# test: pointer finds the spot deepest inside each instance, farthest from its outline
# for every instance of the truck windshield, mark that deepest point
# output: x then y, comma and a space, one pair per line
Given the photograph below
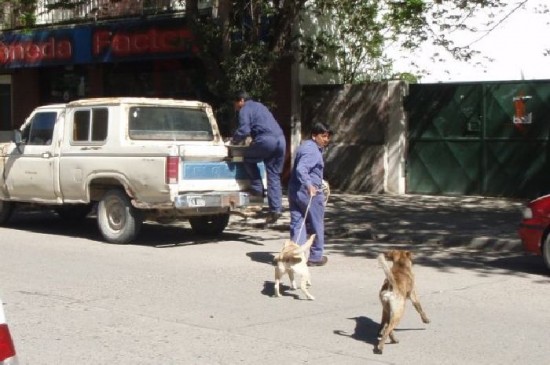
169, 123
40, 130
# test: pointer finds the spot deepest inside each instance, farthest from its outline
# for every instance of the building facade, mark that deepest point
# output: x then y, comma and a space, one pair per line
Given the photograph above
103, 48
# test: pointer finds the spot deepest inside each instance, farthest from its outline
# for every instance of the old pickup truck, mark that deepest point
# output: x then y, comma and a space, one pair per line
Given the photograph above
133, 159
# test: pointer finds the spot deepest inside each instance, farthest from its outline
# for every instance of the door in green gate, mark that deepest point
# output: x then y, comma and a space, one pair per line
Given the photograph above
445, 123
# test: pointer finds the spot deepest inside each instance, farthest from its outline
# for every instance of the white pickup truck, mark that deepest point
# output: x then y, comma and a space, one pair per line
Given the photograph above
137, 158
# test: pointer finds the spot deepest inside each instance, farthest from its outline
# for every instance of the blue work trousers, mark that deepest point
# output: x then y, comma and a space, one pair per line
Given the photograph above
271, 150
314, 222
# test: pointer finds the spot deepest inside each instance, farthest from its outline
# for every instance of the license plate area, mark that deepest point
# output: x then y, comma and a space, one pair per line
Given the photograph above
195, 201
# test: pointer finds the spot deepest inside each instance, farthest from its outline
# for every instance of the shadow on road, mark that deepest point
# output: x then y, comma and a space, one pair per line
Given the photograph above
262, 257
366, 330
152, 234
476, 233
412, 220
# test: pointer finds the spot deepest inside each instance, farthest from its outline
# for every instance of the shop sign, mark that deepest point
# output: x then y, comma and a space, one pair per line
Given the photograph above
90, 44
116, 44
35, 49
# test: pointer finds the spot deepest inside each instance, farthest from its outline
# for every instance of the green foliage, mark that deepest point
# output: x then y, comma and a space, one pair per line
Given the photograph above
244, 46
23, 10
348, 37
249, 70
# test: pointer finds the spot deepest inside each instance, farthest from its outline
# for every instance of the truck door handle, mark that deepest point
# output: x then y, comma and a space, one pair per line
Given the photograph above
46, 155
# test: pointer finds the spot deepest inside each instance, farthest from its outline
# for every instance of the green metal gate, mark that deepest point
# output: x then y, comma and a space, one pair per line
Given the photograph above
463, 140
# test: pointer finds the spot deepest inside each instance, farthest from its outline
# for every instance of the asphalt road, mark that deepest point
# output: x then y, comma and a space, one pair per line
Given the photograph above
175, 298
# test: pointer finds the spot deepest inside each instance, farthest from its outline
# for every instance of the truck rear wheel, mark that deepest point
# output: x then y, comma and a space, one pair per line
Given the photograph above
6, 208
118, 221
211, 225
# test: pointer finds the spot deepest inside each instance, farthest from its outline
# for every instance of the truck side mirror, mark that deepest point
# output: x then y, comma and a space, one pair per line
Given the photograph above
17, 136
17, 139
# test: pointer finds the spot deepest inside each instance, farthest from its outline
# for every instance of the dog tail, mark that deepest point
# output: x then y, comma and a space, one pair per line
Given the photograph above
306, 246
389, 275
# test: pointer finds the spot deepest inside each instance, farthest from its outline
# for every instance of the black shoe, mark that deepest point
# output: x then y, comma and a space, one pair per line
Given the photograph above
255, 198
272, 217
323, 262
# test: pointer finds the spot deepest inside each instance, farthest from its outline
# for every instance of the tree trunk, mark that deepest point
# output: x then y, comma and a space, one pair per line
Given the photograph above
224, 12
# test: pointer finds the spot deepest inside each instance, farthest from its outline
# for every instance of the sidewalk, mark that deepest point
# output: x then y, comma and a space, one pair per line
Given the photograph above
353, 221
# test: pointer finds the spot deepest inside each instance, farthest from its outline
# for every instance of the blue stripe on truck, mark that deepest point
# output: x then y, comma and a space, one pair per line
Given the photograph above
216, 170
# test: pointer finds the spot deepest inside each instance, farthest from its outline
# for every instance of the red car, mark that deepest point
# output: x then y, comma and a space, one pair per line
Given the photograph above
534, 228
7, 350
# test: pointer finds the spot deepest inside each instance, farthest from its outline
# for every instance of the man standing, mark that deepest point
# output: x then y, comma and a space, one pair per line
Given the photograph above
268, 145
305, 194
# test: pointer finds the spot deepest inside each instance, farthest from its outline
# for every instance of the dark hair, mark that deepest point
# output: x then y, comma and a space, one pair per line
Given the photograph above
241, 94
320, 128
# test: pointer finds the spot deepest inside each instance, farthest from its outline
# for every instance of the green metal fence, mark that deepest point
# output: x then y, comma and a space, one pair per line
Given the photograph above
463, 139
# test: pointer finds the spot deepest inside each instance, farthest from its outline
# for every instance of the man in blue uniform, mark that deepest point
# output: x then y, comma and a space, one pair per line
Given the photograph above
268, 145
305, 188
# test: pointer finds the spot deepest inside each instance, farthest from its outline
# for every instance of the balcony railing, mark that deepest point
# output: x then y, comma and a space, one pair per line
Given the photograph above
49, 12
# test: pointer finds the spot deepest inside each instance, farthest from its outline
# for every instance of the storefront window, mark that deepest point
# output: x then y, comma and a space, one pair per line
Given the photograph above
63, 84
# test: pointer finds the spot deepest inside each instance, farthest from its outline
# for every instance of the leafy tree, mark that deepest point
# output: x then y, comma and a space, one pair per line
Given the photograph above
350, 38
24, 11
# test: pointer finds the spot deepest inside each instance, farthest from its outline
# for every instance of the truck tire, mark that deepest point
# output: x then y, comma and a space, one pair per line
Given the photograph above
118, 221
73, 212
211, 225
6, 209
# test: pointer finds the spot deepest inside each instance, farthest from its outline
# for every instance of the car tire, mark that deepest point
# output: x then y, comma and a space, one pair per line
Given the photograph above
210, 225
73, 212
546, 251
118, 221
6, 209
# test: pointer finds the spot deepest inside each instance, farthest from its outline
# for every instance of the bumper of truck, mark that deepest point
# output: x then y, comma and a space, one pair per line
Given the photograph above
231, 200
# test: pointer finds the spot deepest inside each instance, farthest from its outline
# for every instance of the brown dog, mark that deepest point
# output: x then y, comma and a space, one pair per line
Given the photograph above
293, 260
397, 288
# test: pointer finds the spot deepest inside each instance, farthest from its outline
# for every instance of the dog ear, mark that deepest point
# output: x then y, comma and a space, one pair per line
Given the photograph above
390, 255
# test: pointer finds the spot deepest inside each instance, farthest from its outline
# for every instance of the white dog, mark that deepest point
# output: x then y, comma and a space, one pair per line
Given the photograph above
293, 260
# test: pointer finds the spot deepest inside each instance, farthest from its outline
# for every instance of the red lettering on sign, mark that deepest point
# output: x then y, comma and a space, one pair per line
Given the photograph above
134, 43
35, 52
101, 41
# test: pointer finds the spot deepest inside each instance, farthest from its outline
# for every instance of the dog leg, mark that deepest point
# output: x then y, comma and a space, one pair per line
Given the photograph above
395, 308
380, 346
388, 332
303, 286
292, 279
418, 307
393, 338
384, 321
277, 282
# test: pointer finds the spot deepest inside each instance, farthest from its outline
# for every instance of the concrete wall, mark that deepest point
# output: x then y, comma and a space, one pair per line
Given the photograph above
367, 152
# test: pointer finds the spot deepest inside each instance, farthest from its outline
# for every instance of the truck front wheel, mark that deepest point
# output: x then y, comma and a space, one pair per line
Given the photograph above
211, 225
6, 208
118, 221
